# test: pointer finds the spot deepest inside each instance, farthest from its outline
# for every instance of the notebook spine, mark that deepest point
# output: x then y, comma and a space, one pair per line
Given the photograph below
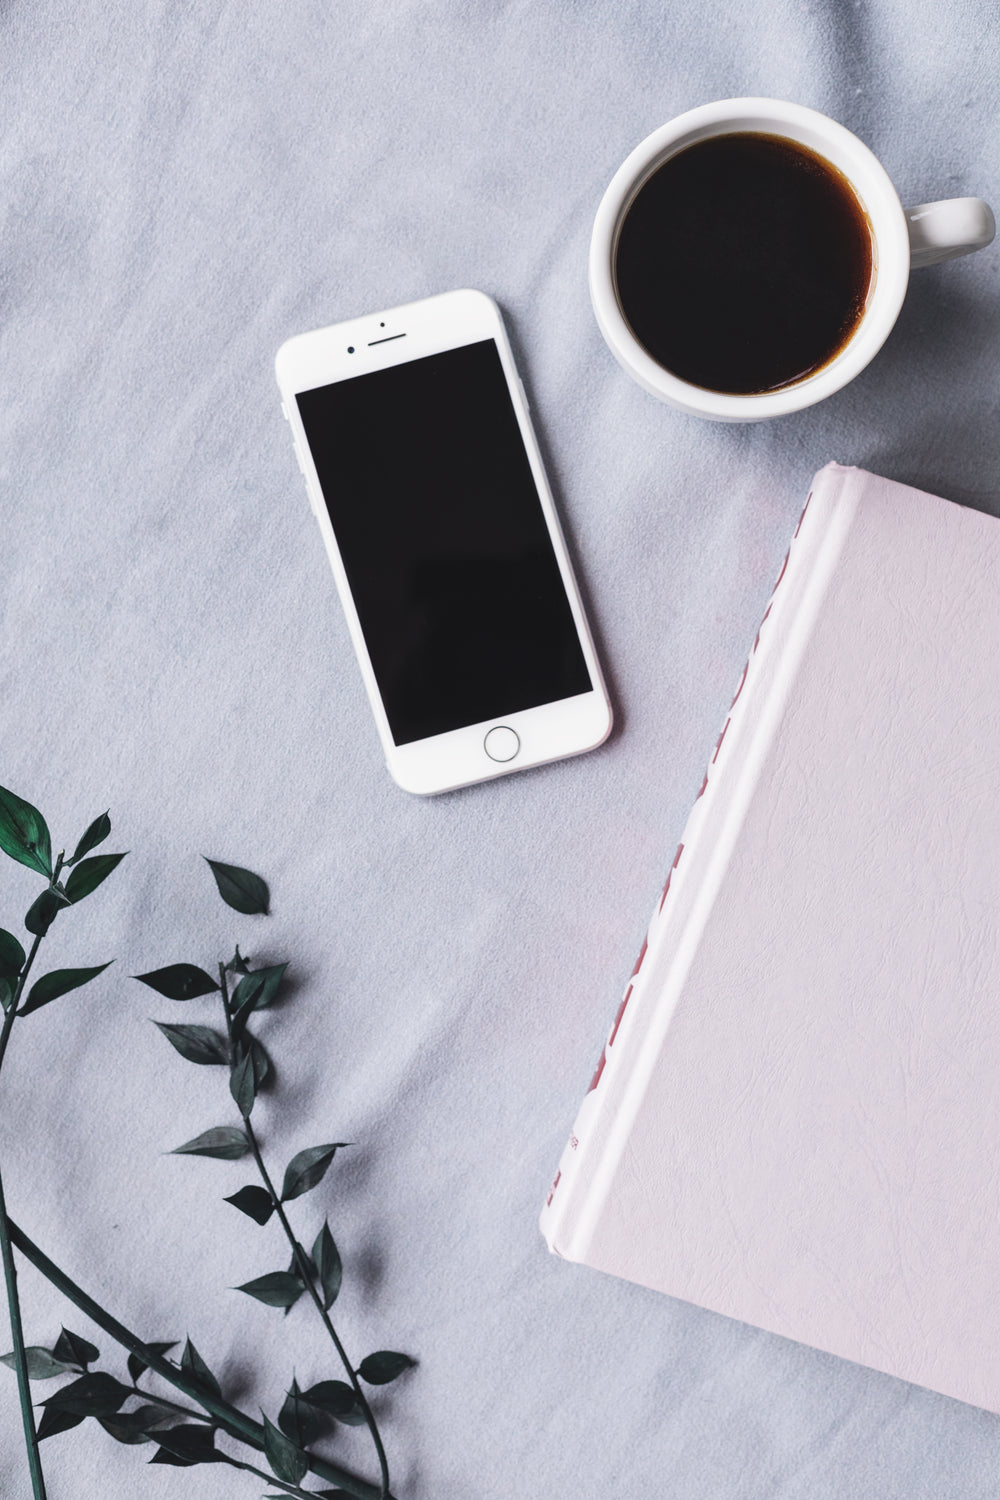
578, 1170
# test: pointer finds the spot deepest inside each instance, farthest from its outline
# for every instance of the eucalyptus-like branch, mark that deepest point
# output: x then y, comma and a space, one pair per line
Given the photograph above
229, 1418
302, 1262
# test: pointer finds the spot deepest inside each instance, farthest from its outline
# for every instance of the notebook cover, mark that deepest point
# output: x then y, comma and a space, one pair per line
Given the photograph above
796, 1118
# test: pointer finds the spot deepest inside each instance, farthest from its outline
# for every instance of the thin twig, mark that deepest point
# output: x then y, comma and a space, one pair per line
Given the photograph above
303, 1266
20, 1358
10, 1269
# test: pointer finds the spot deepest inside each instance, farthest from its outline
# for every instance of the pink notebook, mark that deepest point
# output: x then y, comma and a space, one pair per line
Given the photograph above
796, 1117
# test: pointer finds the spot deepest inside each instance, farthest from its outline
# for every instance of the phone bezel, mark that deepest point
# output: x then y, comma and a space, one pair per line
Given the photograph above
551, 731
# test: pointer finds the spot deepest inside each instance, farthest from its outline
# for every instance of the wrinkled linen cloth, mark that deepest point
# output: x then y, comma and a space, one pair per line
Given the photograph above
183, 188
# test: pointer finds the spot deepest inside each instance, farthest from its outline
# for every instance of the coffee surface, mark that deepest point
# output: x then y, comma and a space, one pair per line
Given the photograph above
744, 262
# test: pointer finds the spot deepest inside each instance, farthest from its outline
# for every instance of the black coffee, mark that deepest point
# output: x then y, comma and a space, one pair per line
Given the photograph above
743, 263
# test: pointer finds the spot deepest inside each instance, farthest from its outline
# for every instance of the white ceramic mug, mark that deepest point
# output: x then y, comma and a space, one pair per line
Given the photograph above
901, 238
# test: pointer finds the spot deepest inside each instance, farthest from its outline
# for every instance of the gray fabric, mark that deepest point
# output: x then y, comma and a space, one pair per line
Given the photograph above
184, 187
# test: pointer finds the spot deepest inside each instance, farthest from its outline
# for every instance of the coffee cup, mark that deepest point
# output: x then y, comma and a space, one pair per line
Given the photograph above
896, 239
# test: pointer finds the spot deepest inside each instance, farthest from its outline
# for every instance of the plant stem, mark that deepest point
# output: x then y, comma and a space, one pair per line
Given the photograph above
20, 1358
184, 1411
289, 1489
233, 1421
303, 1266
10, 1269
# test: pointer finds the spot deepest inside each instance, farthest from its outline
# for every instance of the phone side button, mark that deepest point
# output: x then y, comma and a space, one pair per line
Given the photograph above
501, 743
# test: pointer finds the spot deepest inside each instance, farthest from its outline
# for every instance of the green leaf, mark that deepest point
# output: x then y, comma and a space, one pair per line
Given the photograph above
199, 1044
380, 1368
94, 1395
75, 1350
133, 1427
276, 1289
6, 994
326, 1258
288, 1462
261, 1062
96, 834
179, 981
258, 989
186, 1445
54, 1421
44, 909
193, 1364
253, 1201
136, 1363
41, 1364
88, 876
11, 956
240, 889
337, 1399
59, 982
226, 1142
243, 1084
307, 1168
299, 1421
238, 964
23, 833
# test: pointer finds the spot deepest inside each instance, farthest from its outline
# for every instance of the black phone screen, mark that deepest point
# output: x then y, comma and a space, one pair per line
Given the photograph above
443, 538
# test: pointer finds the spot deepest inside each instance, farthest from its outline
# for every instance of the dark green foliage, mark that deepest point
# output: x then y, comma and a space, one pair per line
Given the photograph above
304, 1416
40, 1363
261, 1063
95, 834
199, 1044
136, 1363
253, 1201
300, 1422
75, 1350
55, 1421
23, 834
95, 1395
59, 982
259, 988
226, 1142
288, 1462
243, 1084
186, 1445
11, 956
44, 909
88, 876
194, 1366
276, 1289
337, 1399
238, 964
385, 1365
326, 1258
307, 1168
133, 1427
240, 889
179, 981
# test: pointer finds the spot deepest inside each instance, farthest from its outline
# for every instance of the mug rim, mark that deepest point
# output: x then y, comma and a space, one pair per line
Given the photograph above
868, 179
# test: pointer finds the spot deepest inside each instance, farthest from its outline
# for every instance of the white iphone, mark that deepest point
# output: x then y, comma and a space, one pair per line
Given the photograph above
413, 434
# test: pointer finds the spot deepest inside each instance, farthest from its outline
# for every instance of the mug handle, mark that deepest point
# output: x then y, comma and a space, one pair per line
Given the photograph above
942, 231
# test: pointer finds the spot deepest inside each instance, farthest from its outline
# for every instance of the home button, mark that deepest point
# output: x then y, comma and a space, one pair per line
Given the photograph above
501, 743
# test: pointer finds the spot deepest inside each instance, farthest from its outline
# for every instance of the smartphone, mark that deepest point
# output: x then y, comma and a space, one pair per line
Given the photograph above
412, 431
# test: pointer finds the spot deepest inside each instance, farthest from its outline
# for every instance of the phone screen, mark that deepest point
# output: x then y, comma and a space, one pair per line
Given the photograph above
444, 541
